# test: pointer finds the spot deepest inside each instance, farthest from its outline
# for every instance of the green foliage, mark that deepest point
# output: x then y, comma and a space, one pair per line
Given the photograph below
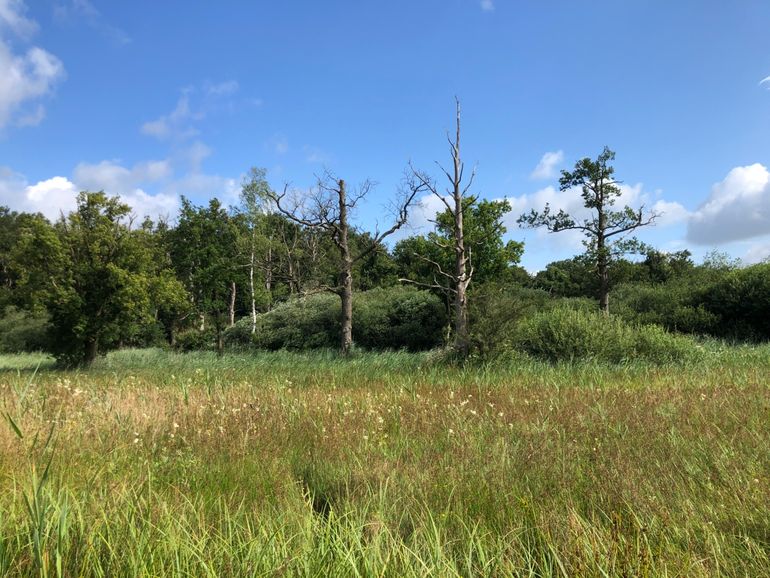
21, 331
93, 273
741, 301
384, 318
195, 340
304, 323
493, 259
398, 317
574, 335
495, 311
676, 306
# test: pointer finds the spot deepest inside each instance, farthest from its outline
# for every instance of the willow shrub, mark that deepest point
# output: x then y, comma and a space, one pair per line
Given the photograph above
575, 335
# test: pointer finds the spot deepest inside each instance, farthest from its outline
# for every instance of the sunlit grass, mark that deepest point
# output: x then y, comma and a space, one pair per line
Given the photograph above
385, 465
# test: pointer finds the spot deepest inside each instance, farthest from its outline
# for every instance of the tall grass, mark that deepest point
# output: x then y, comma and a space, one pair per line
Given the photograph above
385, 465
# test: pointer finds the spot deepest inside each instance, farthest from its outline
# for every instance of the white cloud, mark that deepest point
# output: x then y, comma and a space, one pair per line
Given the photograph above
117, 179
176, 124
670, 213
192, 106
546, 168
737, 208
487, 5
49, 197
757, 253
765, 81
24, 77
12, 18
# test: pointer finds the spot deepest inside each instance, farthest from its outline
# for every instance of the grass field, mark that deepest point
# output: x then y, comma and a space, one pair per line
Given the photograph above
279, 464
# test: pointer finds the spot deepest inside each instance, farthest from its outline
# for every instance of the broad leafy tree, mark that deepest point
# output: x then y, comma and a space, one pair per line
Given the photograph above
203, 251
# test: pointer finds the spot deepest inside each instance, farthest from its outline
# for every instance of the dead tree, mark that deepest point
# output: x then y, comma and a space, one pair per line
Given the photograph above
456, 200
327, 209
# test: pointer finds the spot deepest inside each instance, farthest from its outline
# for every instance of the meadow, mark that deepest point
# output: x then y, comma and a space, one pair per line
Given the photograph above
152, 463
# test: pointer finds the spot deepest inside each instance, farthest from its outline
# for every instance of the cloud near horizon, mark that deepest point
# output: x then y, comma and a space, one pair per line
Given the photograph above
738, 208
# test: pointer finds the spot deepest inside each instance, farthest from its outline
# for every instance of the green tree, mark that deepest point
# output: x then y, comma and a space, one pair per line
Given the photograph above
93, 273
203, 251
606, 230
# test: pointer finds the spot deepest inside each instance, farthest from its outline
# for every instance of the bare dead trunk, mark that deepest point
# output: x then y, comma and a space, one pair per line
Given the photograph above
346, 296
231, 309
346, 280
462, 278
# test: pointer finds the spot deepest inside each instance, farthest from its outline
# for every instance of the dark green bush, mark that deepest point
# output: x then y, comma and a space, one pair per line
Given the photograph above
398, 318
306, 323
741, 301
495, 310
572, 335
677, 306
392, 318
22, 331
194, 340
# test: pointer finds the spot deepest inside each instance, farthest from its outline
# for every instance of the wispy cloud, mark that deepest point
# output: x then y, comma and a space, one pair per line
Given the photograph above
487, 5
192, 106
765, 81
546, 168
85, 11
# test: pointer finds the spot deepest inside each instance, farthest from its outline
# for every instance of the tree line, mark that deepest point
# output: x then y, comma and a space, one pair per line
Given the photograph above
98, 278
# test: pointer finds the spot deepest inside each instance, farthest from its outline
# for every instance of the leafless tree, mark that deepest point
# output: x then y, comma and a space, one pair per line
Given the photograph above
327, 209
456, 200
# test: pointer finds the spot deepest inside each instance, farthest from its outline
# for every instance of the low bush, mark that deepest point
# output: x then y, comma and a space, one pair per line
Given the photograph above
392, 318
306, 323
575, 335
22, 331
194, 340
741, 302
495, 310
398, 318
676, 306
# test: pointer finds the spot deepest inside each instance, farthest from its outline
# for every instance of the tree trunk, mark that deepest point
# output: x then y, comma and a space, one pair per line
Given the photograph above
92, 349
231, 310
252, 294
602, 261
604, 287
269, 275
220, 341
462, 279
346, 280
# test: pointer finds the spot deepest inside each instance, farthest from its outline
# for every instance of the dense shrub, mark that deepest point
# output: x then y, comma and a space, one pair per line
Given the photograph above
677, 306
193, 340
495, 310
398, 318
392, 318
570, 335
741, 301
305, 323
21, 331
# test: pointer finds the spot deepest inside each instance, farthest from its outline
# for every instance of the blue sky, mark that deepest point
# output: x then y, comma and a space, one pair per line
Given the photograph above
152, 100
